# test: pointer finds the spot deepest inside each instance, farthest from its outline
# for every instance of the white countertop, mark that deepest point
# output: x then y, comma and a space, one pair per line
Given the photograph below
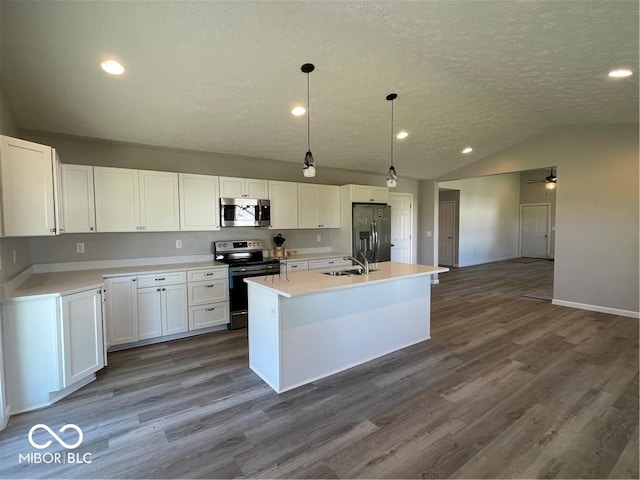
65, 283
313, 281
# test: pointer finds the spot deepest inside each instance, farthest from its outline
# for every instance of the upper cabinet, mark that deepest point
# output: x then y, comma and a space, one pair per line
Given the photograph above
135, 200
318, 206
232, 187
284, 204
199, 205
368, 194
78, 214
28, 190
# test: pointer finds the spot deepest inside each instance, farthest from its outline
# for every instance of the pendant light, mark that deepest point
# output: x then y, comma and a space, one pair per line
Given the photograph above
309, 166
392, 176
550, 181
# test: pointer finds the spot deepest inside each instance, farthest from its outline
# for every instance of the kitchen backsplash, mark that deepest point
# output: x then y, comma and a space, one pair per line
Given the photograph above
115, 246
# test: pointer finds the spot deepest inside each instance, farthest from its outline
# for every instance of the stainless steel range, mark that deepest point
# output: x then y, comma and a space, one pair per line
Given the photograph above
245, 259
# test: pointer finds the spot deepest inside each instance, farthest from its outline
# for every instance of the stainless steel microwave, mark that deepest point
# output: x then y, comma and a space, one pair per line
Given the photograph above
245, 212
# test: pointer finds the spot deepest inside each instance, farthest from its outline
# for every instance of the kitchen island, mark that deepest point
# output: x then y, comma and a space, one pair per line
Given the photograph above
311, 325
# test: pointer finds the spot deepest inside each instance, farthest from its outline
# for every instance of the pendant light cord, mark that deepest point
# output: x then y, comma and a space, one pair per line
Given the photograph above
308, 118
392, 133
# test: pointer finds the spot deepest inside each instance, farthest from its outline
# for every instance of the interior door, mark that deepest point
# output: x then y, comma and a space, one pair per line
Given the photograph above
446, 233
534, 230
400, 227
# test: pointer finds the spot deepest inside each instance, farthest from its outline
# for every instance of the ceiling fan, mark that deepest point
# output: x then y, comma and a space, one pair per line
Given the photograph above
549, 180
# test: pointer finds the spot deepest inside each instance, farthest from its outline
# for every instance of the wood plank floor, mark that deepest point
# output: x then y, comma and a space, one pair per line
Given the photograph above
508, 387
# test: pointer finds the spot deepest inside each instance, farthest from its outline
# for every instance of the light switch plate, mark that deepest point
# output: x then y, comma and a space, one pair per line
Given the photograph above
79, 247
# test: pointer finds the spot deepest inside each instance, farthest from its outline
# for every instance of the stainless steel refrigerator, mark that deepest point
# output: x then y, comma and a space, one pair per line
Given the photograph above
371, 234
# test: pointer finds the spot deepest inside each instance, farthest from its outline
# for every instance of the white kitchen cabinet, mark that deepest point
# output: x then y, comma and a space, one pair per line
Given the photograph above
52, 346
208, 297
136, 200
284, 204
234, 187
162, 311
28, 189
159, 203
78, 214
122, 310
82, 335
318, 206
369, 194
295, 265
117, 197
199, 204
328, 263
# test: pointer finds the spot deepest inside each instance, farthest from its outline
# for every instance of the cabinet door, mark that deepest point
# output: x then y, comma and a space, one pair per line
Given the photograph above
122, 310
208, 315
175, 318
309, 205
82, 335
27, 188
78, 207
117, 199
149, 312
159, 205
369, 194
254, 188
330, 206
208, 292
284, 204
231, 187
199, 204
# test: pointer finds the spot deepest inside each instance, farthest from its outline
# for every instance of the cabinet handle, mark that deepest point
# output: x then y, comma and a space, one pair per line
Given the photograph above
157, 289
52, 230
161, 279
91, 228
208, 274
331, 263
133, 279
210, 309
100, 291
62, 229
209, 286
164, 289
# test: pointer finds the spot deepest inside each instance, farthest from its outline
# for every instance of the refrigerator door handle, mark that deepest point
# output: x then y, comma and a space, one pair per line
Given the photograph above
374, 229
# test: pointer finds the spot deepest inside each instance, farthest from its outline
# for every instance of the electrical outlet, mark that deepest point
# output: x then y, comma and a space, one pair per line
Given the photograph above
429, 234
318, 238
79, 247
178, 243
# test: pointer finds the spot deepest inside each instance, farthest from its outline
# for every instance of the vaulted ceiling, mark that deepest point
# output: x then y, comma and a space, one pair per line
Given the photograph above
223, 76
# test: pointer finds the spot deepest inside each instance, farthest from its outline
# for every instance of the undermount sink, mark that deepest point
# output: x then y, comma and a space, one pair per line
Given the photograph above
342, 273
335, 274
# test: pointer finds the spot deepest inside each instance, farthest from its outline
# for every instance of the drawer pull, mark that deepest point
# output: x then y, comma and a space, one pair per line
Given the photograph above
210, 309
208, 274
209, 286
331, 263
160, 279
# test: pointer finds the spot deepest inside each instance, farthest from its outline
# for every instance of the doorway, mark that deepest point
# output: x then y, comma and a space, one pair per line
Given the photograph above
447, 233
401, 227
534, 230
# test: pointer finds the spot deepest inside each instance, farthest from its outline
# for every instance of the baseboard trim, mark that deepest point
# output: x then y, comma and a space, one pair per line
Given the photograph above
597, 308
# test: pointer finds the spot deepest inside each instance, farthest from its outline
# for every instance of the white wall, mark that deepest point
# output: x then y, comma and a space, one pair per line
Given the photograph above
489, 218
597, 210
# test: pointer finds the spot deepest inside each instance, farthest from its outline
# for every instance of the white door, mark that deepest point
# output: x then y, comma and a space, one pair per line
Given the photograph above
122, 310
175, 318
27, 188
82, 335
117, 198
199, 206
159, 209
534, 230
78, 207
401, 226
149, 312
446, 233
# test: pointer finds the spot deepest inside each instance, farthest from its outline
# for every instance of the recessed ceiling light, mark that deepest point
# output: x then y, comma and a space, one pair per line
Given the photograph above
402, 135
620, 73
467, 150
112, 67
299, 111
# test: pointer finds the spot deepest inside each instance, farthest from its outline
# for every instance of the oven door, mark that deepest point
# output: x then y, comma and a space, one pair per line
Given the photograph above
238, 291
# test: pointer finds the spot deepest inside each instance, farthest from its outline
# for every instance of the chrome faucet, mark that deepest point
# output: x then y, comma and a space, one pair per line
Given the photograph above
365, 265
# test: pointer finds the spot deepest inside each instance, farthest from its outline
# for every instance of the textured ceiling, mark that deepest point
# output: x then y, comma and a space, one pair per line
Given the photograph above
223, 76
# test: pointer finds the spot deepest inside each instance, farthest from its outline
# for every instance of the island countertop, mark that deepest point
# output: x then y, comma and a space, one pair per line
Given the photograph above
313, 281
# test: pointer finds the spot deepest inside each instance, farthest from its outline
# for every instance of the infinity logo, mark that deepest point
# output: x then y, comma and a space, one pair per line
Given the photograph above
56, 437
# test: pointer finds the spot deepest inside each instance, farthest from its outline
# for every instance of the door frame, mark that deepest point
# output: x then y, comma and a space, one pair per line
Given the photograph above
412, 251
454, 238
548, 205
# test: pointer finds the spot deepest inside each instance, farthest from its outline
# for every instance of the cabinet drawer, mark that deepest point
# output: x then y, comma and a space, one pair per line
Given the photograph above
208, 315
298, 266
206, 275
208, 292
328, 263
160, 279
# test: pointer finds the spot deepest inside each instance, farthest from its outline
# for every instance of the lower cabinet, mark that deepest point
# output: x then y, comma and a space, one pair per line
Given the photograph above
52, 347
204, 316
208, 300
162, 311
122, 310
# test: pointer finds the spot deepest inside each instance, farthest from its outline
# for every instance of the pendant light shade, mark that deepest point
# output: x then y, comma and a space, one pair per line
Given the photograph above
392, 176
550, 181
308, 166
